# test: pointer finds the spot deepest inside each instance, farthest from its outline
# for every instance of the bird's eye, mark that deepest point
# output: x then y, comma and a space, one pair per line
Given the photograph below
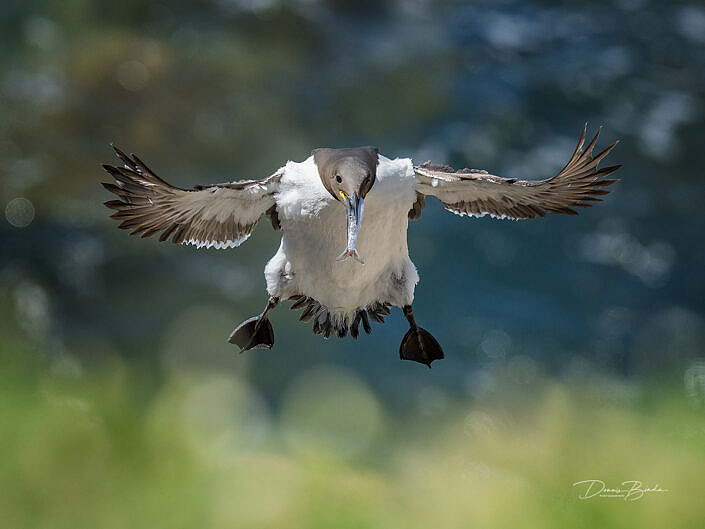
338, 179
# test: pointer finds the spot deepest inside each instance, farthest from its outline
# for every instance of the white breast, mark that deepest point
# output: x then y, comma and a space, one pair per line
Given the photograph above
314, 234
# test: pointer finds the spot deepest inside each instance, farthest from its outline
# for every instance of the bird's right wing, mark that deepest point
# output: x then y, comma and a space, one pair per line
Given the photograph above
220, 215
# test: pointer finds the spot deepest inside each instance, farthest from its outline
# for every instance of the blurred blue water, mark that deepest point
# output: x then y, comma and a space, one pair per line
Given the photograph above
207, 91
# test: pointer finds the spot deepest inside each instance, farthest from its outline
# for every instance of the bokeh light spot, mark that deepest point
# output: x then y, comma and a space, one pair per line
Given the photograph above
19, 212
132, 75
225, 417
32, 308
330, 410
496, 344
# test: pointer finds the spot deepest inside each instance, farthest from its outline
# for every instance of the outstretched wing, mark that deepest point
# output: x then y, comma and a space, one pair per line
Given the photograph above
220, 215
477, 193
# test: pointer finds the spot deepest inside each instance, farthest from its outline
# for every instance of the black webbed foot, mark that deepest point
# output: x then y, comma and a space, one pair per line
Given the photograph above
248, 336
255, 332
420, 346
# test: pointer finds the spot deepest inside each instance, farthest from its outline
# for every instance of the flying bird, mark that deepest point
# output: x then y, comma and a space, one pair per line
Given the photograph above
343, 213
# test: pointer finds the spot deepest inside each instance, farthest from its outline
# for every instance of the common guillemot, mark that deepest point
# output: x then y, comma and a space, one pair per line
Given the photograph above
319, 205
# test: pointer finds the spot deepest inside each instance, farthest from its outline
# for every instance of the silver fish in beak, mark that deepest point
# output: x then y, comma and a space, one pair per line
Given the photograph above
355, 208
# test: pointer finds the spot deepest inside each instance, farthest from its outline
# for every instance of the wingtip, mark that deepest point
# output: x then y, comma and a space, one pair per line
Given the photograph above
114, 204
124, 158
110, 169
117, 150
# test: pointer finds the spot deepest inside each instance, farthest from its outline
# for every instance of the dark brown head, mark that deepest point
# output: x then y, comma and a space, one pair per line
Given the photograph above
348, 175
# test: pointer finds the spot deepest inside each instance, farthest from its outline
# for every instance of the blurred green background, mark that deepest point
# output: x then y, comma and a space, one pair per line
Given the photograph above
575, 347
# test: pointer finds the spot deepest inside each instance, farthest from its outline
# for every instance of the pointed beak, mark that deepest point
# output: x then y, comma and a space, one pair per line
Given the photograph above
355, 209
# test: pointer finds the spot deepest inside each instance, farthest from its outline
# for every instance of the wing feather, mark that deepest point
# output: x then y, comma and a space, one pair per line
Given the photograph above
220, 215
477, 193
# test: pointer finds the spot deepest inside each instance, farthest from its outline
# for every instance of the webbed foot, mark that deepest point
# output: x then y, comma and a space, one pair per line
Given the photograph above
255, 332
249, 335
420, 346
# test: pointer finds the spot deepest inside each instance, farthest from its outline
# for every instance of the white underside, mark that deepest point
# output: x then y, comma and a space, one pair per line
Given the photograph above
314, 234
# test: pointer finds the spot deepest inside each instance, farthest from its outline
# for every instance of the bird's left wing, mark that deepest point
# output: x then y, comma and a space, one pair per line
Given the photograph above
477, 193
220, 215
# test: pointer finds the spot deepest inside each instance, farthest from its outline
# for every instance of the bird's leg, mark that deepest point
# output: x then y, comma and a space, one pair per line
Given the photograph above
418, 344
255, 332
409, 314
271, 303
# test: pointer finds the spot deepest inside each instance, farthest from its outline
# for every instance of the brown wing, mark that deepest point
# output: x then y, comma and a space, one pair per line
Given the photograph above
220, 215
477, 193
